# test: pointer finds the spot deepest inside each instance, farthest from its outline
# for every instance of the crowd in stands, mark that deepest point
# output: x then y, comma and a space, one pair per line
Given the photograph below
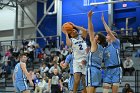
47, 60
49, 72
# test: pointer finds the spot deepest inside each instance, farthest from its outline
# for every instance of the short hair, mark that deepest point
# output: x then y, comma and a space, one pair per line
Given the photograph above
23, 54
101, 38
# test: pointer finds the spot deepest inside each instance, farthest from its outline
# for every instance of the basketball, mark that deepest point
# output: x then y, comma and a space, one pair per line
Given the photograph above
67, 27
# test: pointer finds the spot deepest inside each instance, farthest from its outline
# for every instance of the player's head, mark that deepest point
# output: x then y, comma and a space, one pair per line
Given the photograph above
108, 38
23, 57
74, 33
100, 38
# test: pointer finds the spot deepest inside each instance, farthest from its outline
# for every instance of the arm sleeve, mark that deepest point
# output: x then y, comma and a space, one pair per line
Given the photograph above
68, 58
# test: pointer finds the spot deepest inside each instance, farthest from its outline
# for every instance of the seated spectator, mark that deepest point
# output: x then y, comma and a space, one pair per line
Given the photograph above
127, 89
128, 66
6, 70
55, 67
16, 51
43, 69
40, 85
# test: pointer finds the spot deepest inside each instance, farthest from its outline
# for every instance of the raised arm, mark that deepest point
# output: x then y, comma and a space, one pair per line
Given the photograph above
91, 32
108, 30
68, 40
82, 29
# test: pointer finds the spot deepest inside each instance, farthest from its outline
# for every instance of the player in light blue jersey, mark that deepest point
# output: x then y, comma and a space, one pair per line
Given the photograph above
94, 58
78, 44
113, 72
69, 61
21, 75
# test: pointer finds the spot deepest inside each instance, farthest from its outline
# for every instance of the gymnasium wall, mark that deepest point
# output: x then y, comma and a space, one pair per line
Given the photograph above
76, 11
125, 10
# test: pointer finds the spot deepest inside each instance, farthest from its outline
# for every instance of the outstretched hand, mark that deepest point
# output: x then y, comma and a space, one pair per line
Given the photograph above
90, 13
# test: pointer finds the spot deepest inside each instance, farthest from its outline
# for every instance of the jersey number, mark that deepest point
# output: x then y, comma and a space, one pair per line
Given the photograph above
80, 47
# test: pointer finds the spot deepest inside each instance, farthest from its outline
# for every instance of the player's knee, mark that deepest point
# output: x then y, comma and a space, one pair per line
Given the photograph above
106, 85
116, 84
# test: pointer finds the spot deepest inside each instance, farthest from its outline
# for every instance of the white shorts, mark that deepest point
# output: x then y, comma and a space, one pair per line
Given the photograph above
78, 67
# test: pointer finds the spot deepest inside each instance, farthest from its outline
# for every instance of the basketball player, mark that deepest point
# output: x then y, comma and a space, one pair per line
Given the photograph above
113, 70
78, 46
69, 61
21, 75
95, 57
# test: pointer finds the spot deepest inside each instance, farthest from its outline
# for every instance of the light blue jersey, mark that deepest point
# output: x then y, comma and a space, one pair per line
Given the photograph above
69, 60
94, 60
20, 79
111, 54
113, 72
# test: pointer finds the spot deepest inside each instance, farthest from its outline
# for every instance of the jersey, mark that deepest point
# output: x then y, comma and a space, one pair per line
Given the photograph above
69, 60
111, 54
19, 75
20, 83
79, 49
95, 58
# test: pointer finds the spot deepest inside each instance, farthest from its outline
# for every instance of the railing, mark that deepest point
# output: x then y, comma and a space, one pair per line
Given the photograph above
6, 44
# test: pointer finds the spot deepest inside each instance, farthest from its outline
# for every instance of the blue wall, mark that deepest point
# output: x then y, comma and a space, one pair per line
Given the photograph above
48, 26
76, 11
132, 11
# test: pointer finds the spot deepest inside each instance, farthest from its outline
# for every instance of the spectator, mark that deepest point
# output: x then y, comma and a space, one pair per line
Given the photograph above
38, 51
6, 70
40, 85
128, 66
62, 45
15, 51
64, 52
51, 42
55, 67
43, 69
127, 89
